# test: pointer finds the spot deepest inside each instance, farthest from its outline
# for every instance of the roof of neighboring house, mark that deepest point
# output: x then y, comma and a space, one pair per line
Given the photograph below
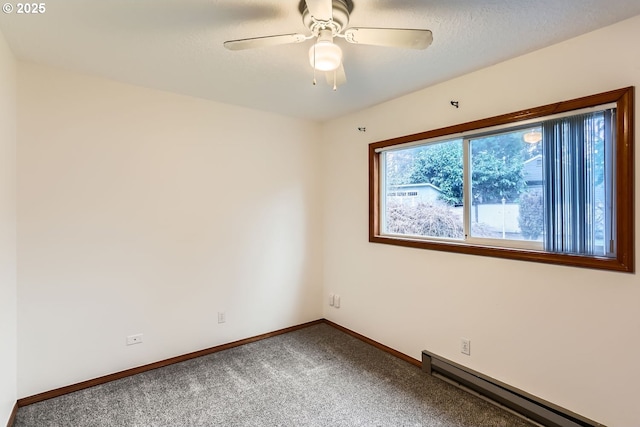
421, 185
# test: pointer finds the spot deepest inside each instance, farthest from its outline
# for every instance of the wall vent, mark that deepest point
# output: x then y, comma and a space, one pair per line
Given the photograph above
531, 407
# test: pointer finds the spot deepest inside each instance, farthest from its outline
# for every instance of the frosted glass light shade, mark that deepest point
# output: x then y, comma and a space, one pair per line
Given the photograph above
325, 56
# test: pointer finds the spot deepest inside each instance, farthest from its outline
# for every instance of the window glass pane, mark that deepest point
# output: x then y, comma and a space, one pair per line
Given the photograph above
601, 156
506, 186
423, 191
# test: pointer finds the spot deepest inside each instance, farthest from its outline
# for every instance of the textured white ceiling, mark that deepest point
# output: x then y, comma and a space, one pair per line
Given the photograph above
176, 45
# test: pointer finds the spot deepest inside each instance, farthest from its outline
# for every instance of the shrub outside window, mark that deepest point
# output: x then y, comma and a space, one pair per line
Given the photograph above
551, 184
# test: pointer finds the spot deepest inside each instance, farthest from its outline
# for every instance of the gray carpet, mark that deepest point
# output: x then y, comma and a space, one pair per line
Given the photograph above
317, 376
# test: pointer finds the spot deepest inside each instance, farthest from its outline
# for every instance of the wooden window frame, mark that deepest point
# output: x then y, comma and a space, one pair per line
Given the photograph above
624, 177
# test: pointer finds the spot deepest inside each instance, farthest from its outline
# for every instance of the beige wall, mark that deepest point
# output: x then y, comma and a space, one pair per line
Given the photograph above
147, 212
8, 329
565, 334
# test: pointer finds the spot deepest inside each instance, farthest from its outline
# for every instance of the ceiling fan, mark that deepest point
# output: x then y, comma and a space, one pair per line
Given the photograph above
327, 19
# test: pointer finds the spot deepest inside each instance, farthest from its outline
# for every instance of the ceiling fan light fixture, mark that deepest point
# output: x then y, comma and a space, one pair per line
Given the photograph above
327, 19
325, 55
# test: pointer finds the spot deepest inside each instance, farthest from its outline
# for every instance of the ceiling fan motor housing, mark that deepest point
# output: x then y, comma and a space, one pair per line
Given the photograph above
337, 24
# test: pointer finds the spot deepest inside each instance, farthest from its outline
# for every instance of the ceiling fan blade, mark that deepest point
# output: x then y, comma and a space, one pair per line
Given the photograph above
321, 10
393, 37
264, 41
336, 77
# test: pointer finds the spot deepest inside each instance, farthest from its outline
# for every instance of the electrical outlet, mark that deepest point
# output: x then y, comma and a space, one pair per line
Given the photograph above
336, 301
134, 339
331, 299
222, 317
465, 346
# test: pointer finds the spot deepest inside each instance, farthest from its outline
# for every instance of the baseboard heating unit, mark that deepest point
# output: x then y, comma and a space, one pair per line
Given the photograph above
531, 407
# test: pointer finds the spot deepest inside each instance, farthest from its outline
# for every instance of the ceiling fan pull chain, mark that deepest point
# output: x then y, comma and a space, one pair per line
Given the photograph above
335, 79
314, 64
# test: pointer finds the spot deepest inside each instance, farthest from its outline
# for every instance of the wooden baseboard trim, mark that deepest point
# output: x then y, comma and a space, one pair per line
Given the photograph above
12, 417
376, 344
140, 369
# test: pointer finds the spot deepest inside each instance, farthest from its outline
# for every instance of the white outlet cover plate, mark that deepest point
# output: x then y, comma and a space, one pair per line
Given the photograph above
465, 346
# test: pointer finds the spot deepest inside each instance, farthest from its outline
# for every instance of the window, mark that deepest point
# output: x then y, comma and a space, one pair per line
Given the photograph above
550, 184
